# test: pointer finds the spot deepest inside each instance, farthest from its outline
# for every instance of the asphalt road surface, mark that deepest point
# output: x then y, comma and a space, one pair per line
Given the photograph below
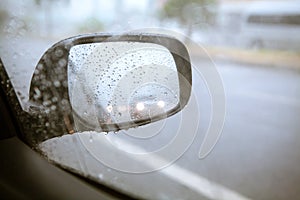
258, 152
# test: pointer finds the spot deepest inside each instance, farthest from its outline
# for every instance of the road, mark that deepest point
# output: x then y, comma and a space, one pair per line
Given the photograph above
258, 152
256, 157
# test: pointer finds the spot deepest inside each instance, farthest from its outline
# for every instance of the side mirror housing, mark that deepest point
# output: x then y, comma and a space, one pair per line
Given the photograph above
104, 82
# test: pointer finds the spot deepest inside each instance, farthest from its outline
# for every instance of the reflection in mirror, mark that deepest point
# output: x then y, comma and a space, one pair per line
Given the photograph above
120, 82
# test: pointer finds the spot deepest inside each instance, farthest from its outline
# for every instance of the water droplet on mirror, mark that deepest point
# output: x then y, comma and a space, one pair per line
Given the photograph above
59, 53
100, 176
56, 83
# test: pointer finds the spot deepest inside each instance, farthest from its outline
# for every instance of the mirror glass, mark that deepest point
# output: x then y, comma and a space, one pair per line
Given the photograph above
119, 82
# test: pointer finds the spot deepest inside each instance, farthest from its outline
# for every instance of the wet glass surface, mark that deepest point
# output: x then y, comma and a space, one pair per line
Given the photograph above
118, 82
254, 46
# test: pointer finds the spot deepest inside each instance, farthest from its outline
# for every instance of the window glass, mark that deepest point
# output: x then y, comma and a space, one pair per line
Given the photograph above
273, 19
238, 136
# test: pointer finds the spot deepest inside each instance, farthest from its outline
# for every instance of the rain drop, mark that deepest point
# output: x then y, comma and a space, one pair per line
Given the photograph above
100, 176
91, 138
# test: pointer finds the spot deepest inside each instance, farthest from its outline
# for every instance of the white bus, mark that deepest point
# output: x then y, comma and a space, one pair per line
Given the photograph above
274, 25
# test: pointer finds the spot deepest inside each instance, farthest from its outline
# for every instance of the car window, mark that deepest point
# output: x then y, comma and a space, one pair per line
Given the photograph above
237, 136
279, 19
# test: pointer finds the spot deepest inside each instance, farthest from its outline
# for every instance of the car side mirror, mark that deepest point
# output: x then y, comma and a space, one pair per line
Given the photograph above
104, 82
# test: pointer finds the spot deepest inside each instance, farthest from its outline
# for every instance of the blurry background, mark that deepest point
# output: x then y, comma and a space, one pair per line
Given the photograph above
239, 23
241, 30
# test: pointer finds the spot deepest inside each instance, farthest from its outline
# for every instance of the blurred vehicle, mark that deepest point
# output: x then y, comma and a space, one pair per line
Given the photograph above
261, 25
273, 27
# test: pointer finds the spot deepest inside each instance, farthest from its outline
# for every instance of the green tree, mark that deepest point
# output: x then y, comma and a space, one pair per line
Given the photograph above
91, 24
190, 12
